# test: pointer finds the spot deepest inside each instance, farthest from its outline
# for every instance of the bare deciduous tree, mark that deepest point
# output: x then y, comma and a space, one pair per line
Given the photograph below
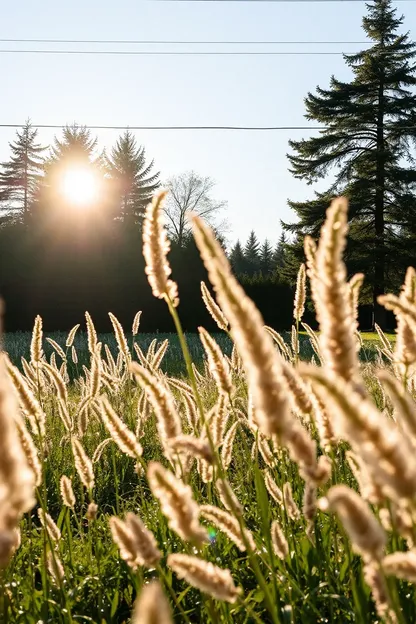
190, 192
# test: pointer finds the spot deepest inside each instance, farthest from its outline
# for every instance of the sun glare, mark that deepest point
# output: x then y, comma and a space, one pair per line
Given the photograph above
80, 186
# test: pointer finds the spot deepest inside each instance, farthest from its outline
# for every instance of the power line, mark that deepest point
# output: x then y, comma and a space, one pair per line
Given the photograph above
167, 42
170, 53
232, 128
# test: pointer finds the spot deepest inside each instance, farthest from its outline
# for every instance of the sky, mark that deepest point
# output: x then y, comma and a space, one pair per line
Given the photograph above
250, 168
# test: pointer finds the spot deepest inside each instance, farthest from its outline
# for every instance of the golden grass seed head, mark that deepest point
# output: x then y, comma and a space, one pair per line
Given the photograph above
91, 333
213, 308
122, 436
161, 399
36, 349
292, 509
156, 247
120, 337
71, 336
367, 536
401, 564
27, 399
196, 447
279, 542
228, 497
261, 361
83, 464
55, 568
205, 576
152, 607
49, 525
272, 488
136, 323
30, 451
300, 294
57, 348
229, 525
136, 543
227, 447
217, 363
177, 503
67, 492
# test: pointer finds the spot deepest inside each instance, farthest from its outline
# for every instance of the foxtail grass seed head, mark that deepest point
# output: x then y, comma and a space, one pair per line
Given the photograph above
152, 607
205, 576
156, 247
261, 361
92, 511
280, 545
91, 333
74, 355
177, 503
120, 337
71, 336
272, 488
218, 365
213, 308
27, 399
386, 451
161, 399
122, 436
375, 580
194, 446
366, 535
333, 308
136, 543
354, 288
67, 492
292, 509
405, 350
55, 568
309, 502
49, 525
30, 451
227, 447
229, 525
136, 323
36, 350
17, 480
100, 449
83, 464
401, 564
300, 294
57, 348
228, 497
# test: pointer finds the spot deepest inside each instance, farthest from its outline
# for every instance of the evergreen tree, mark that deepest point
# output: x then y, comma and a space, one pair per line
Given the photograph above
279, 254
132, 180
252, 254
20, 176
266, 258
367, 144
75, 151
237, 259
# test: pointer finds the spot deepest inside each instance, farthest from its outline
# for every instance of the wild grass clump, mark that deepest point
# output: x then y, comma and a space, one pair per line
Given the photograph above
258, 480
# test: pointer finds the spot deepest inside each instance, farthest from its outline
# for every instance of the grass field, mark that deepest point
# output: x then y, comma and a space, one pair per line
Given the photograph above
267, 481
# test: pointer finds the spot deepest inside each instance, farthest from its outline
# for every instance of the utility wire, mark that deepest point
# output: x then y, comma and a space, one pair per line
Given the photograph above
159, 42
170, 53
232, 128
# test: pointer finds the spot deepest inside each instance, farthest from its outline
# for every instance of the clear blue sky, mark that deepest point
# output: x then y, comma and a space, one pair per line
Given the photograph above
251, 169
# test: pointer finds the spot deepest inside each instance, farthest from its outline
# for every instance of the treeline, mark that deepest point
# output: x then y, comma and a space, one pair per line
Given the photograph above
58, 259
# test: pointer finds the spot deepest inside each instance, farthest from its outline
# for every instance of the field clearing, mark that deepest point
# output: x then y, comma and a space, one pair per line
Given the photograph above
269, 481
17, 345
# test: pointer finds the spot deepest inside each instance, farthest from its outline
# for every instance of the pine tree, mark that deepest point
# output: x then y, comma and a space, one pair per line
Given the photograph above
266, 259
279, 253
132, 180
20, 176
252, 254
367, 145
75, 150
237, 259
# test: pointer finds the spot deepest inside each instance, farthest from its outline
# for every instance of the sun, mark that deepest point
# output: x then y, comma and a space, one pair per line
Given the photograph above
80, 186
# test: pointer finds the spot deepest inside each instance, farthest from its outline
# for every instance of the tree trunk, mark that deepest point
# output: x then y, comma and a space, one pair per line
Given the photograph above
379, 225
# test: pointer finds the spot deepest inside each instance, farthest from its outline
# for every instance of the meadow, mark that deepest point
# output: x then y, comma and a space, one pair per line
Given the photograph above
237, 477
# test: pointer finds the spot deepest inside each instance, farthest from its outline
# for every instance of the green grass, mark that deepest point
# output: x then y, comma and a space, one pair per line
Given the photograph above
320, 581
